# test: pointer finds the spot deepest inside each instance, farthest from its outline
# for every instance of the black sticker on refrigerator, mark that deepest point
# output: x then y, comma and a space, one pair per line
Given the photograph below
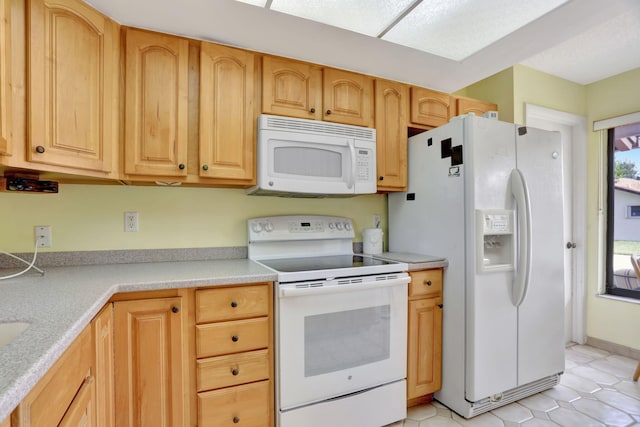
454, 171
411, 196
429, 142
445, 148
456, 155
522, 130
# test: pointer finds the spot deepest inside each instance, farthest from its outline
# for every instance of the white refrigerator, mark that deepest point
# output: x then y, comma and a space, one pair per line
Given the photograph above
487, 195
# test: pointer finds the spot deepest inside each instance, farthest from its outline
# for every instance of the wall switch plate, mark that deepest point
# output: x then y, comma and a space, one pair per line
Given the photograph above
43, 236
131, 222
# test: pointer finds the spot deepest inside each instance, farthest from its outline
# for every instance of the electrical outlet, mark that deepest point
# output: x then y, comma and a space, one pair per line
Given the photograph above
376, 221
131, 222
43, 235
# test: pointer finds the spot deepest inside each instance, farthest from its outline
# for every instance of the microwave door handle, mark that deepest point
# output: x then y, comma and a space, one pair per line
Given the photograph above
352, 150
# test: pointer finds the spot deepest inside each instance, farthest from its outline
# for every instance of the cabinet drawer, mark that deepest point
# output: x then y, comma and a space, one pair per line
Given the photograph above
245, 405
426, 282
232, 369
47, 403
214, 339
239, 302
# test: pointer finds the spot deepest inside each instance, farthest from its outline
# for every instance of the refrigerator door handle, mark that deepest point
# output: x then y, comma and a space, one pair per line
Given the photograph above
520, 192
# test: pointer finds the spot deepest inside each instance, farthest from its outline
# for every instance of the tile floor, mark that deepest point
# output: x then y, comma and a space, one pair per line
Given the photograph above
595, 390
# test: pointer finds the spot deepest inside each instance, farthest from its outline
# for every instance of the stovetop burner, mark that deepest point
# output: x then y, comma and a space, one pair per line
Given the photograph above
287, 265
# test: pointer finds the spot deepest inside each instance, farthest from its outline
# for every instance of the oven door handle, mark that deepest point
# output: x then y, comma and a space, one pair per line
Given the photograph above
335, 289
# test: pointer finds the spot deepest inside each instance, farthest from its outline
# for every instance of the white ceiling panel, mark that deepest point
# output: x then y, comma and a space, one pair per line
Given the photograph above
456, 29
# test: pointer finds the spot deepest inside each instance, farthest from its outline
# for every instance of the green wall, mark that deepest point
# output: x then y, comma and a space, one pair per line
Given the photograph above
91, 217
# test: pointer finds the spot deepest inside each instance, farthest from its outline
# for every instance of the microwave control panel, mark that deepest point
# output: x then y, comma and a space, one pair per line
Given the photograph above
363, 164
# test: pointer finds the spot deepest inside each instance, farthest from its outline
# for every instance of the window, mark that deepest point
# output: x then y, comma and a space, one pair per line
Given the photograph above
623, 209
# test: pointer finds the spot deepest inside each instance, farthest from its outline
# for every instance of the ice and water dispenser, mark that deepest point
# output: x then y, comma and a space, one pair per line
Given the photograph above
494, 240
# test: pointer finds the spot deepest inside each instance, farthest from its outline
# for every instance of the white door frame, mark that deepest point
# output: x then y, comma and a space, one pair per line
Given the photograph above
578, 126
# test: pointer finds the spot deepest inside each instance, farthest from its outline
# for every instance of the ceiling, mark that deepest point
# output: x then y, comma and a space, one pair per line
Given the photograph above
580, 40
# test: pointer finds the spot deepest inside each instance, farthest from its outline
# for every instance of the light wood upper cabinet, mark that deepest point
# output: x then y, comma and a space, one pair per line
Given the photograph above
73, 75
156, 91
5, 76
150, 367
391, 106
227, 113
468, 105
291, 88
347, 97
431, 108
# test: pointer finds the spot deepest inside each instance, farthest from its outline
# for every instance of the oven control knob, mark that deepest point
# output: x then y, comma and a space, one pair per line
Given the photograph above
347, 226
256, 227
268, 227
339, 226
331, 226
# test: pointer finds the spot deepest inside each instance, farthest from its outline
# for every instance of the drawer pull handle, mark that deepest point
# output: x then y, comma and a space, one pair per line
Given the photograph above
234, 304
427, 282
235, 371
235, 338
236, 420
175, 309
39, 149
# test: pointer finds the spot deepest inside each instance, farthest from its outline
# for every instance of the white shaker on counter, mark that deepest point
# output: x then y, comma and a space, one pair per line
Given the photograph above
372, 239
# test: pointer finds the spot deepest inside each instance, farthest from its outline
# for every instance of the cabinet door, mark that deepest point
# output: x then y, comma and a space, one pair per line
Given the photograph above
291, 88
156, 92
227, 113
103, 338
425, 347
392, 104
73, 75
5, 76
467, 105
347, 97
80, 412
430, 108
150, 369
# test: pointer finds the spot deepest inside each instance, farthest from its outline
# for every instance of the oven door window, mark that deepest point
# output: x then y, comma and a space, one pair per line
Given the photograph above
346, 339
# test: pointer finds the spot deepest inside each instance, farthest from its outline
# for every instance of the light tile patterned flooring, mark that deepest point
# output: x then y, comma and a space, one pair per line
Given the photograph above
595, 390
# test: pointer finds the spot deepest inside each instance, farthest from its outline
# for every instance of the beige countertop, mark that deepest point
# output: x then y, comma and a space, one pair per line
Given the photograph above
60, 304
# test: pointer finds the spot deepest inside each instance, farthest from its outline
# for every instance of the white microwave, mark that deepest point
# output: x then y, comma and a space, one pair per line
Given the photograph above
310, 158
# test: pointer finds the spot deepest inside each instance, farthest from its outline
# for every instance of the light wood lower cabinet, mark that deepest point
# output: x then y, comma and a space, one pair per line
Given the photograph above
102, 326
6, 423
66, 394
234, 356
424, 365
150, 370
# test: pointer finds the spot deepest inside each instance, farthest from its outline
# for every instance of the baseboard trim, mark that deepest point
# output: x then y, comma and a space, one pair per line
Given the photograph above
622, 350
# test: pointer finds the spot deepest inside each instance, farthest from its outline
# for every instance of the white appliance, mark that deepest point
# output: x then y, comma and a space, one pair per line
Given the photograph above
311, 158
487, 195
340, 324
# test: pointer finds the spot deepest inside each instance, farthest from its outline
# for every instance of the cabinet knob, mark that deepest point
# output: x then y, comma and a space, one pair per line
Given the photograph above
234, 304
235, 371
235, 338
328, 112
236, 420
175, 309
181, 166
381, 178
440, 305
205, 167
427, 282
40, 149
312, 110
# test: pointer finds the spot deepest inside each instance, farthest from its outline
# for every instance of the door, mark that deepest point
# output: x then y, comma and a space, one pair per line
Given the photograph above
541, 313
491, 318
572, 130
150, 369
73, 86
333, 343
156, 91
